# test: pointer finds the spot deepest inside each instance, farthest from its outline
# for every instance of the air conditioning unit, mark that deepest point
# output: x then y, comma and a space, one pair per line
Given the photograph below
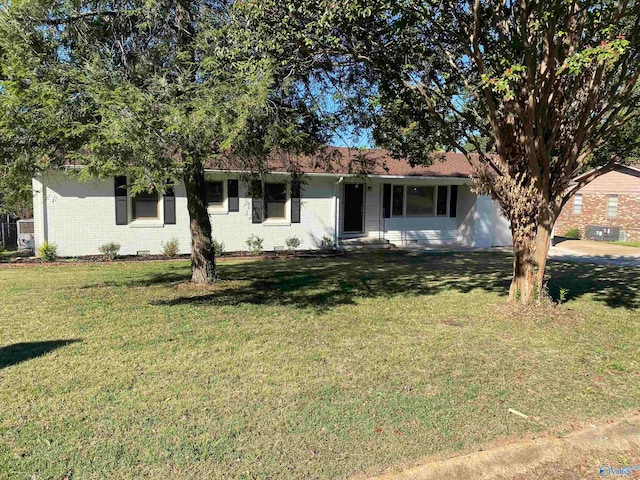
26, 238
604, 234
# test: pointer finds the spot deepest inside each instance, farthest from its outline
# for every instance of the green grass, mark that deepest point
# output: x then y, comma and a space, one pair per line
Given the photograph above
628, 244
298, 368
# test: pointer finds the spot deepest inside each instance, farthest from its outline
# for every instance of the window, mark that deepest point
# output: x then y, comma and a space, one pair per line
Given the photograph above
612, 206
215, 194
441, 205
398, 200
577, 204
276, 200
144, 206
420, 201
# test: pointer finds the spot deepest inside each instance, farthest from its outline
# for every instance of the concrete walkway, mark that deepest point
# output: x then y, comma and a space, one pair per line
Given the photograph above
592, 452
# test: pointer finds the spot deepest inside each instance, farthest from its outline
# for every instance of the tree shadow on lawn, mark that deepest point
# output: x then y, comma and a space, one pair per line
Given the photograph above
326, 283
21, 352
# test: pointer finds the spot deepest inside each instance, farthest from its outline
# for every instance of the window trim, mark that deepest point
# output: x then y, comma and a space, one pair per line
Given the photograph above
148, 221
286, 220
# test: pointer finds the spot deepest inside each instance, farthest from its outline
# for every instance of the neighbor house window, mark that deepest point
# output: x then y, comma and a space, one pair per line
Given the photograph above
419, 201
275, 195
612, 206
577, 204
144, 206
215, 194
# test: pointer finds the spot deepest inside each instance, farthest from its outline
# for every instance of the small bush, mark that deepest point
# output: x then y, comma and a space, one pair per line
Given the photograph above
48, 251
326, 244
218, 248
292, 243
573, 234
171, 248
110, 250
255, 244
2, 249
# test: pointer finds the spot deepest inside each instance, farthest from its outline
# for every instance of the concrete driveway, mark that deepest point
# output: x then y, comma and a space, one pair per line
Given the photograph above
587, 251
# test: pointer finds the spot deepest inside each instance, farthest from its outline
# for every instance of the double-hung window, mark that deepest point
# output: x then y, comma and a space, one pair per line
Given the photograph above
275, 197
144, 206
612, 206
577, 204
215, 194
419, 200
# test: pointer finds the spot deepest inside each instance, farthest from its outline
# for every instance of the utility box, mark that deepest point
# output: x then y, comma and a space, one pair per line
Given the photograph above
604, 234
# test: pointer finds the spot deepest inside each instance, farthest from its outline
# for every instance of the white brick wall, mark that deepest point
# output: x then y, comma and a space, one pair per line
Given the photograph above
80, 216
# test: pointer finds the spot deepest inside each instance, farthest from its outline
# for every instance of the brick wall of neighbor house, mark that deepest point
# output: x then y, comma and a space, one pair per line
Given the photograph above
594, 212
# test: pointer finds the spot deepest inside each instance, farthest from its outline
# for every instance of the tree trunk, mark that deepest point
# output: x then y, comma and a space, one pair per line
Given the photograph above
530, 260
523, 282
203, 262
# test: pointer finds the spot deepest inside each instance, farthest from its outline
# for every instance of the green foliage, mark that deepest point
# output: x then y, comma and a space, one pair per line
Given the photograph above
292, 243
562, 295
255, 244
110, 250
218, 248
171, 248
48, 251
573, 233
147, 89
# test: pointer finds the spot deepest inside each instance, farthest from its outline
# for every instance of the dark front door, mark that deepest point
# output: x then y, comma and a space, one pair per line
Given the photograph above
353, 207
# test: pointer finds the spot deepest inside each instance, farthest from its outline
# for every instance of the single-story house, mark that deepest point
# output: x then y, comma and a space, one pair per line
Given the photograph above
334, 201
608, 208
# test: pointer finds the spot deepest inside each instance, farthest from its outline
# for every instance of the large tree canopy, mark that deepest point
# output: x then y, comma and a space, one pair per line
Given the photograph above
541, 90
151, 89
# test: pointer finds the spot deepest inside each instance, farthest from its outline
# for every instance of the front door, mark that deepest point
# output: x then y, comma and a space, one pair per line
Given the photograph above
353, 207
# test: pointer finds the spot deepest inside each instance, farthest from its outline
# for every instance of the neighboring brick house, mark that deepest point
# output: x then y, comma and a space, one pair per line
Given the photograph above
610, 201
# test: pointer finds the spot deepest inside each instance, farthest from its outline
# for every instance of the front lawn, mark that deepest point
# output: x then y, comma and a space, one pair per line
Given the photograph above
299, 368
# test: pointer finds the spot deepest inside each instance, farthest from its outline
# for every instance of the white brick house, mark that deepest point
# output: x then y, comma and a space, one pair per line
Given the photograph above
394, 202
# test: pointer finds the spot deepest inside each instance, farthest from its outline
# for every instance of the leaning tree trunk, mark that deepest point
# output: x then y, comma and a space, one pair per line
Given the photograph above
203, 262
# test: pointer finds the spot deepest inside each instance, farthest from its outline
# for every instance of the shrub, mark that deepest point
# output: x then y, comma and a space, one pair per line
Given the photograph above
48, 251
109, 250
2, 249
292, 243
573, 233
218, 248
255, 244
170, 249
326, 244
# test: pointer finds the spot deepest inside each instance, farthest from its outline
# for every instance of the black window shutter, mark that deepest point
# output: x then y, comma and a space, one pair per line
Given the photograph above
386, 200
169, 206
232, 195
120, 187
453, 202
295, 201
257, 208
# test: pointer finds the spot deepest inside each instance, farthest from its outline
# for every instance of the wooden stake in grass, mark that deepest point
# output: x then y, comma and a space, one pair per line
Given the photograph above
520, 414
